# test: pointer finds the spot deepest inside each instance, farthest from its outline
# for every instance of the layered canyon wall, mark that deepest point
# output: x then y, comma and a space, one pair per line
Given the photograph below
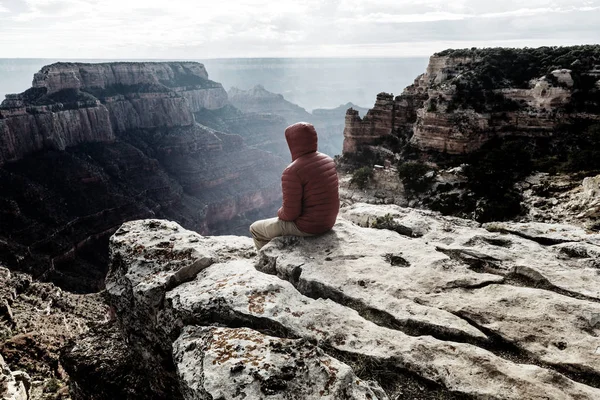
467, 97
90, 146
72, 103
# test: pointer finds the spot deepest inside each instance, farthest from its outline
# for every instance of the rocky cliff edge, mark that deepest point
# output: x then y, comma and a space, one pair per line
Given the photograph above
423, 307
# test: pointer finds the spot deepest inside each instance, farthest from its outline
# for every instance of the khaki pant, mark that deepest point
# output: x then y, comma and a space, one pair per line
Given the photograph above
266, 229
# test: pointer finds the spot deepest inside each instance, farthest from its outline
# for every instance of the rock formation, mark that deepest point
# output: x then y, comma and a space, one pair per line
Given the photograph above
260, 100
467, 97
330, 125
90, 146
263, 366
328, 122
428, 307
100, 365
561, 198
12, 388
262, 131
478, 122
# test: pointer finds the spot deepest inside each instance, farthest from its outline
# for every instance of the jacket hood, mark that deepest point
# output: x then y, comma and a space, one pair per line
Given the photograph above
301, 139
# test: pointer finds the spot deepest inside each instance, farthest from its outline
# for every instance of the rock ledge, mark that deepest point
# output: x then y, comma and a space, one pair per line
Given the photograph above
457, 311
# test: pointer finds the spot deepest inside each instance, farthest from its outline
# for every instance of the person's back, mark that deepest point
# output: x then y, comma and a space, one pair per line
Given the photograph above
310, 191
319, 200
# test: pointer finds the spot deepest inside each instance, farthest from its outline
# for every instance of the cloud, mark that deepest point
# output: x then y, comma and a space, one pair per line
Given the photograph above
192, 29
407, 18
528, 12
380, 17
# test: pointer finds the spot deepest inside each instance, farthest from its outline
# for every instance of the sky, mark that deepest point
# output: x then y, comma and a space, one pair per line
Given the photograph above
192, 29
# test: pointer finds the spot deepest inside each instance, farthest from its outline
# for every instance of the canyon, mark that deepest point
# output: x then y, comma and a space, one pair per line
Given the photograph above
138, 181
90, 146
329, 123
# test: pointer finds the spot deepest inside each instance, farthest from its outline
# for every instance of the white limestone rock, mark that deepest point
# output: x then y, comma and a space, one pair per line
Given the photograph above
149, 257
564, 76
154, 255
11, 388
236, 293
588, 202
377, 271
532, 250
225, 363
400, 281
545, 233
556, 329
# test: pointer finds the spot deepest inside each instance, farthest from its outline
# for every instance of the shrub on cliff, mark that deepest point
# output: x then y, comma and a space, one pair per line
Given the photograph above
361, 177
516, 67
365, 156
478, 94
416, 177
31, 95
395, 143
584, 154
497, 166
491, 175
574, 147
499, 208
452, 203
496, 68
587, 96
432, 105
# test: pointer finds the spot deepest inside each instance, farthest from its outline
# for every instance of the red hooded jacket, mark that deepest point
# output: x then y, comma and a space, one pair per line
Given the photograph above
309, 184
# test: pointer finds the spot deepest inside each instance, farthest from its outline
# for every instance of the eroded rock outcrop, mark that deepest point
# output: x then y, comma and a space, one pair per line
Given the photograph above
385, 117
467, 97
90, 146
442, 306
561, 198
36, 321
261, 366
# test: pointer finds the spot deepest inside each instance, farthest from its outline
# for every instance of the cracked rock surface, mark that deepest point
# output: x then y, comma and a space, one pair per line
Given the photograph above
245, 363
431, 307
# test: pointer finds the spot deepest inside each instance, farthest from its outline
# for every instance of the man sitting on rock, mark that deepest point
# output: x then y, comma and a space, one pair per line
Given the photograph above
310, 191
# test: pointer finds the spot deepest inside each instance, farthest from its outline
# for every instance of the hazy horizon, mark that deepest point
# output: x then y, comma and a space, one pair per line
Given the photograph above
315, 82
